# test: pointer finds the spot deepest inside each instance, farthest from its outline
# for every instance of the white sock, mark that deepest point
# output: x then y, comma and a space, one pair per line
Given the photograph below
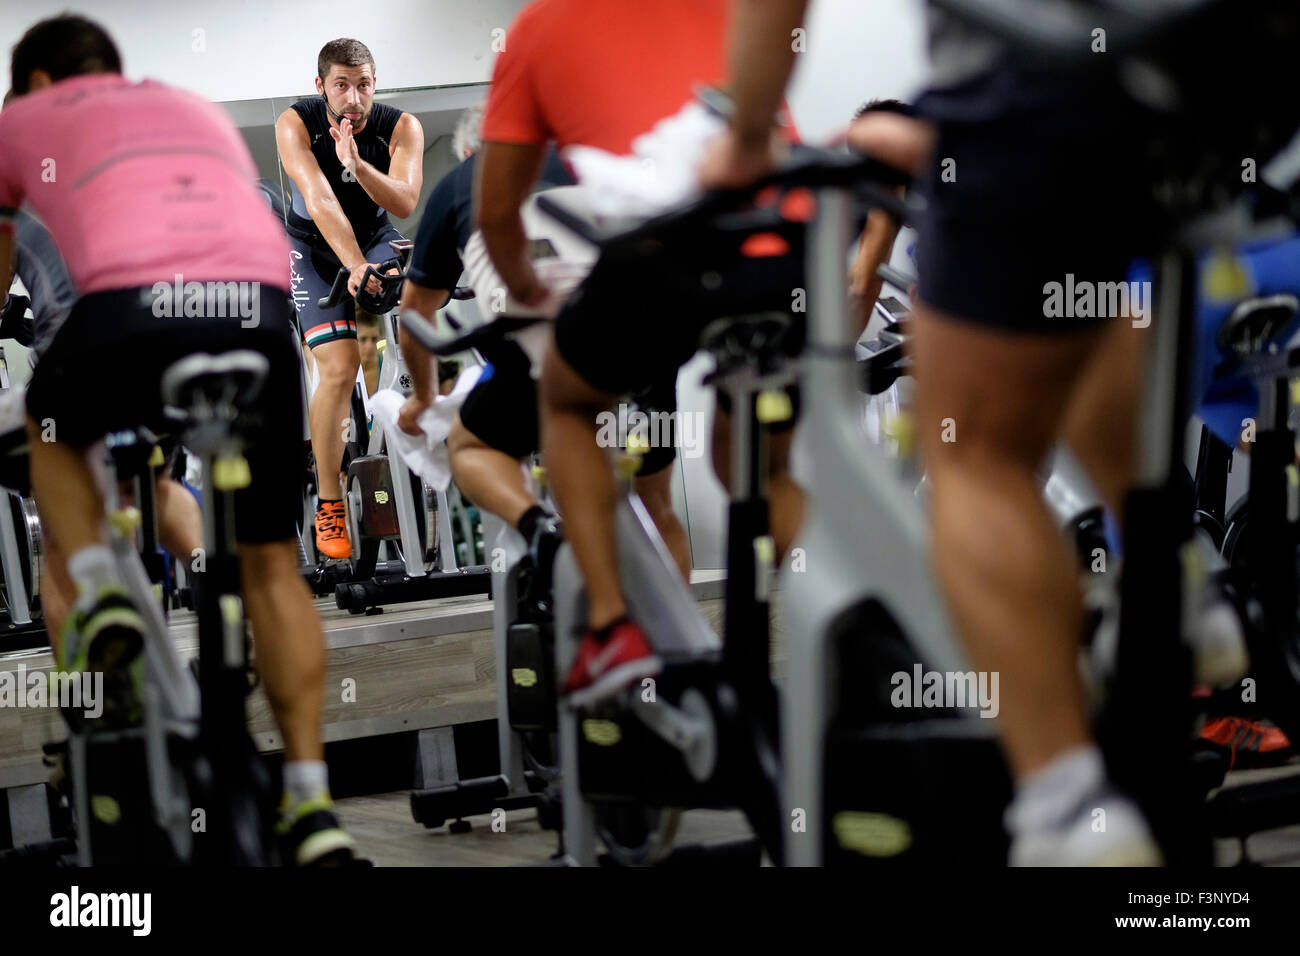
92, 569
305, 780
1050, 795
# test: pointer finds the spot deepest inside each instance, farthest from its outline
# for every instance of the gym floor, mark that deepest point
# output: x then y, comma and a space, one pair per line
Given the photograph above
383, 828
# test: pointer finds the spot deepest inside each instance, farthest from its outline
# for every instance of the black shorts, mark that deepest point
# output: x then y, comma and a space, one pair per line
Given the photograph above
624, 341
502, 410
103, 372
1032, 190
312, 271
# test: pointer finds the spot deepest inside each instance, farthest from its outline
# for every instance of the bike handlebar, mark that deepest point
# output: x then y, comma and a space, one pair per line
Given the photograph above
374, 302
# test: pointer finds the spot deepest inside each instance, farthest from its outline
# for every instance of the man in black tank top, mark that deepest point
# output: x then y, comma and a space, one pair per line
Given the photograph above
350, 162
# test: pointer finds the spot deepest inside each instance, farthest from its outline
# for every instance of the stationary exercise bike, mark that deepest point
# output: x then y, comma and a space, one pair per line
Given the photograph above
707, 731
184, 783
523, 644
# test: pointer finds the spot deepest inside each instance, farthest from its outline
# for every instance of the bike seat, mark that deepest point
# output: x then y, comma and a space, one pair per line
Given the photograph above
763, 341
1257, 323
204, 381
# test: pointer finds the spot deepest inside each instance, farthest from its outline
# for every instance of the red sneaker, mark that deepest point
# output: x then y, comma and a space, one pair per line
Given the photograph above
1250, 743
602, 669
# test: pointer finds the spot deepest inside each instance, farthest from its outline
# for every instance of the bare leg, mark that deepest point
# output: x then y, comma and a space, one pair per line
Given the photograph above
490, 478
331, 411
180, 520
1099, 424
60, 473
656, 491
1005, 569
584, 484
785, 499
289, 643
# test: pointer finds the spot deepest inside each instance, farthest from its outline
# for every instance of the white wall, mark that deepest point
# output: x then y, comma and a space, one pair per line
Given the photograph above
252, 49
857, 50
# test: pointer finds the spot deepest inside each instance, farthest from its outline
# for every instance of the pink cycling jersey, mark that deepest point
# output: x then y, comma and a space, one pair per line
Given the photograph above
138, 183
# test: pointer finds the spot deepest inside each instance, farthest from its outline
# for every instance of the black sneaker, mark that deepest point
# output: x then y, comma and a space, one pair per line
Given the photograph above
310, 835
108, 639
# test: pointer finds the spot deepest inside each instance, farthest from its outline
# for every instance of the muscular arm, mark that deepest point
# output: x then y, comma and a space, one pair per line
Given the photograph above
904, 143
874, 248
398, 190
421, 365
504, 179
762, 59
292, 141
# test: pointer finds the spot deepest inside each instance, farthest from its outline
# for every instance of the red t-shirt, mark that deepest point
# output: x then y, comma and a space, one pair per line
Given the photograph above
602, 72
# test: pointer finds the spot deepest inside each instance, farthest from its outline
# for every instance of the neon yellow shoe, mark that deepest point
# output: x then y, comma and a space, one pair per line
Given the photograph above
310, 834
106, 641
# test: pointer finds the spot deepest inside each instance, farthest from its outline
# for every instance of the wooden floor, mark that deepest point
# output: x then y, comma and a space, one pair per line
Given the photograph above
386, 835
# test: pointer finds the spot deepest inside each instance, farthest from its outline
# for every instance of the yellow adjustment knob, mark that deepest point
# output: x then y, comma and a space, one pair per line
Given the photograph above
1295, 391
602, 733
539, 474
381, 345
638, 444
125, 521
105, 809
1225, 279
774, 406
900, 427
156, 458
626, 466
231, 472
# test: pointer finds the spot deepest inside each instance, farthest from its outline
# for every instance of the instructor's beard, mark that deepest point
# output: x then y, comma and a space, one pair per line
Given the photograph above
339, 117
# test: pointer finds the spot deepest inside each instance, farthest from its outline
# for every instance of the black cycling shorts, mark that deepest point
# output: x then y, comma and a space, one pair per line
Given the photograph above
103, 372
1032, 196
502, 409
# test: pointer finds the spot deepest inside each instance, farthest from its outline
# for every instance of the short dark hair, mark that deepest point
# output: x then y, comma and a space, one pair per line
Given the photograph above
343, 52
367, 318
885, 106
63, 46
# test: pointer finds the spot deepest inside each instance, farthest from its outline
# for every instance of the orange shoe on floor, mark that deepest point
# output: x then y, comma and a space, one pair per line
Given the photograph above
332, 530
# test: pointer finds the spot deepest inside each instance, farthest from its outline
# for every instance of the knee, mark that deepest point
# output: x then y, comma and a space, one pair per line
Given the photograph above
337, 371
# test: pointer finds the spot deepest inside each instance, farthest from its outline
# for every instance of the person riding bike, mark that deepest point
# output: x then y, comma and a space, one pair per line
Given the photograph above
173, 252
350, 162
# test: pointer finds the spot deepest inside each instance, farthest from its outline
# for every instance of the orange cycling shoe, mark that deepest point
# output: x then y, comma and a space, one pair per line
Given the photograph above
332, 530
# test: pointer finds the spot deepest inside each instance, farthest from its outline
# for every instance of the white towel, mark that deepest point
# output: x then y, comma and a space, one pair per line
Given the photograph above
424, 454
662, 170
566, 263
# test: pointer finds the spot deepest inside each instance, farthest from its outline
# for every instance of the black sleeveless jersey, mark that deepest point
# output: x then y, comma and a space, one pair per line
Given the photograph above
365, 215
